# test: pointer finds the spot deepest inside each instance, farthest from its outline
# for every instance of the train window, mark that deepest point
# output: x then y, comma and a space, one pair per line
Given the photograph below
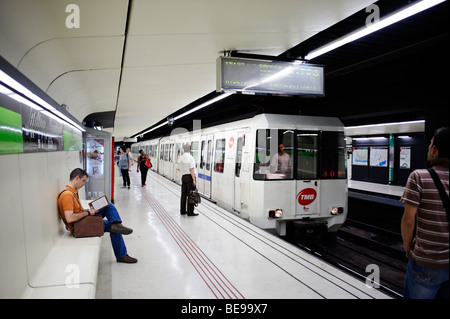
307, 154
202, 155
177, 152
240, 143
166, 152
274, 154
333, 156
208, 159
219, 156
194, 152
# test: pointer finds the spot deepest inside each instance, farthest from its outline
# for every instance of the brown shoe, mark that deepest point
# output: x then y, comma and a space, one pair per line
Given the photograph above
127, 259
121, 229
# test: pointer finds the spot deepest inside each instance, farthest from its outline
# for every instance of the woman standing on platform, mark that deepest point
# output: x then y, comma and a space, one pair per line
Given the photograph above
125, 166
144, 168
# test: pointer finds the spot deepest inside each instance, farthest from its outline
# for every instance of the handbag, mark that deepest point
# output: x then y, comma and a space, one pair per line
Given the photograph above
147, 162
194, 197
89, 226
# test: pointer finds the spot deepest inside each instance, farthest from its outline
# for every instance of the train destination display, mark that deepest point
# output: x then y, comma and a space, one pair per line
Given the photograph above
269, 77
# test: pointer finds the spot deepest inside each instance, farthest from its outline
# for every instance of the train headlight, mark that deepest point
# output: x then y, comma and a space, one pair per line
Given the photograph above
276, 213
336, 210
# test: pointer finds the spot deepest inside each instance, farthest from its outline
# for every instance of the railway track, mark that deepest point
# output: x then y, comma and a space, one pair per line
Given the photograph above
367, 254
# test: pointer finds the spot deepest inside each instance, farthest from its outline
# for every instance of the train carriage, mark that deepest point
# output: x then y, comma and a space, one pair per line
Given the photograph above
280, 172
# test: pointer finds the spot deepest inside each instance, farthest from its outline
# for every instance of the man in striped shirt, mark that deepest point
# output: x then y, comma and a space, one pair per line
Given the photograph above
427, 273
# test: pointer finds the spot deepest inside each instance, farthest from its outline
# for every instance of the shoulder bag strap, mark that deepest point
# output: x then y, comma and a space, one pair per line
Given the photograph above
73, 195
440, 187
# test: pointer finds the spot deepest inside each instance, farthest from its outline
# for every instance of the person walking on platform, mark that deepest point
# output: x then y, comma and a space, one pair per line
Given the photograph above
187, 171
130, 156
71, 211
125, 166
426, 199
141, 166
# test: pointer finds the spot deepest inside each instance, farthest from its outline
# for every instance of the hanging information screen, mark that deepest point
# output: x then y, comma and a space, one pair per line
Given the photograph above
269, 77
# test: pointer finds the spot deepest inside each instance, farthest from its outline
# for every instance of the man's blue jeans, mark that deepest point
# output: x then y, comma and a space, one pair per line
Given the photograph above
112, 215
425, 283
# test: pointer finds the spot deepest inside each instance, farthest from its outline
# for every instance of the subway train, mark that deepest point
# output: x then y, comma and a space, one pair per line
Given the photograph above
282, 173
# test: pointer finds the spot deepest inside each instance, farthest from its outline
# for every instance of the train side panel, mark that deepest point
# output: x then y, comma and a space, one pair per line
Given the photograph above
223, 169
238, 181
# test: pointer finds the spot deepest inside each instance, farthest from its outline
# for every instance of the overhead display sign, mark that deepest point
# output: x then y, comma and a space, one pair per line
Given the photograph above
269, 77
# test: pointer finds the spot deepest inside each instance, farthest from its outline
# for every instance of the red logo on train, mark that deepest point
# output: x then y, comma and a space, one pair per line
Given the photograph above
306, 196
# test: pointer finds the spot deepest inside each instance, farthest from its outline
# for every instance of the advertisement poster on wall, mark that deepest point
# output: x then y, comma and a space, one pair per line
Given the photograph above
360, 156
405, 157
95, 150
378, 156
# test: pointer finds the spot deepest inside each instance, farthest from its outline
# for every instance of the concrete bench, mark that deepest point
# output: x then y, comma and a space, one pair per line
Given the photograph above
69, 270
40, 259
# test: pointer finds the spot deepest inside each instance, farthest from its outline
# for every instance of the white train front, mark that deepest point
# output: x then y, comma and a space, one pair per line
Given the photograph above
242, 168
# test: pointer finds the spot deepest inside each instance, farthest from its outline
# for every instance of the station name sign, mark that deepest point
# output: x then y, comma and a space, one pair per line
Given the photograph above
269, 77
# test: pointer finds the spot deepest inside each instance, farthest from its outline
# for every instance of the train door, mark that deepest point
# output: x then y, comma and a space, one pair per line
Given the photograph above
237, 171
170, 162
165, 159
195, 152
307, 163
176, 159
204, 168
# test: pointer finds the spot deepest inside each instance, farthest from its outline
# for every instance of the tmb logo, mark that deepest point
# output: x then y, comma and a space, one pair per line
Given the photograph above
306, 196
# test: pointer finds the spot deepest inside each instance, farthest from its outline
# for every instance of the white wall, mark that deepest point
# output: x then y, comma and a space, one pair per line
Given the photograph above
29, 222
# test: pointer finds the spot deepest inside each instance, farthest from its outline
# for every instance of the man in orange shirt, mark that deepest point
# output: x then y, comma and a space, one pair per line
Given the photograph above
71, 211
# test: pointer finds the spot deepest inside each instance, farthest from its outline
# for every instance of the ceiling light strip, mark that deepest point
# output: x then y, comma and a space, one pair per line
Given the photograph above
384, 124
394, 18
214, 100
29, 98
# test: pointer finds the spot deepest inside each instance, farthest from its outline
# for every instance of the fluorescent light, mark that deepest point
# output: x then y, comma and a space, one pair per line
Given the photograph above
384, 124
394, 18
214, 100
5, 78
32, 100
154, 128
369, 138
19, 98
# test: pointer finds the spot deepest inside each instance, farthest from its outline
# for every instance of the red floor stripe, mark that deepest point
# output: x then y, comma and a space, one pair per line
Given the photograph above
208, 271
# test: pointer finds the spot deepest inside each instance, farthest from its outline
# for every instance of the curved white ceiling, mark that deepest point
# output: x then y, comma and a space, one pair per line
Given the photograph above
170, 53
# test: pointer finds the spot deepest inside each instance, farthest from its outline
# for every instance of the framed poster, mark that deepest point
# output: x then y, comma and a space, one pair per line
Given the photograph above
378, 156
360, 156
405, 157
95, 151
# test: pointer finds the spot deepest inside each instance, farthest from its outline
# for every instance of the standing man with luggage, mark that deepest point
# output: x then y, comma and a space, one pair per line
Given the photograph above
187, 169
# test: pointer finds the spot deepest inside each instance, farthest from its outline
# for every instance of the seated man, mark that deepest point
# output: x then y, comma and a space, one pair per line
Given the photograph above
71, 211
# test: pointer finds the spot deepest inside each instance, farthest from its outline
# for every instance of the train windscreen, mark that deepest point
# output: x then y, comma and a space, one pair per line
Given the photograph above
332, 156
296, 154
